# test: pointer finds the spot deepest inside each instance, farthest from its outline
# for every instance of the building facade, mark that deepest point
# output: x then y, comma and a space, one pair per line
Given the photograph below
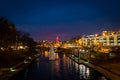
107, 38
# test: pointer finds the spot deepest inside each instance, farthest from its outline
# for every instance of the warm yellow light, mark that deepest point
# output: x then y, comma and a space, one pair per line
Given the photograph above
21, 47
96, 35
46, 53
103, 34
64, 56
112, 33
57, 56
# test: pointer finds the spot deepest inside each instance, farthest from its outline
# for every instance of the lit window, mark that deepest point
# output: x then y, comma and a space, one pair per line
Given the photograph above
104, 44
111, 44
118, 44
118, 40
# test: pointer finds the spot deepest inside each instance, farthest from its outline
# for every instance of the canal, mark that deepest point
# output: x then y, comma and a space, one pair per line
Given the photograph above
62, 68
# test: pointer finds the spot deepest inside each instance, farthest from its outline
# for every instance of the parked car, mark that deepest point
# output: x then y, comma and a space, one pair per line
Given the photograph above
28, 60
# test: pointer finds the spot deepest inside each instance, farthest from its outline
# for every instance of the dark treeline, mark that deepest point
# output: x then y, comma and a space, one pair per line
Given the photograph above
15, 46
10, 36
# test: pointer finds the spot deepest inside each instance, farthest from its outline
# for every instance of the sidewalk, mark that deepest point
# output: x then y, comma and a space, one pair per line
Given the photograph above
109, 74
112, 67
7, 73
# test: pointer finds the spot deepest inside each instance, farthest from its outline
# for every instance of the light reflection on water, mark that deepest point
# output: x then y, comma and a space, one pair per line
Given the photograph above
63, 68
37, 60
57, 56
57, 66
46, 53
85, 73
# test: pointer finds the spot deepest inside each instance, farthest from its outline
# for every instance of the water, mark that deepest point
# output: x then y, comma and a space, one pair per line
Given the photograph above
61, 69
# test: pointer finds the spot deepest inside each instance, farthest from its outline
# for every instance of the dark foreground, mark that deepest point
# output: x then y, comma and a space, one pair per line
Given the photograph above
61, 69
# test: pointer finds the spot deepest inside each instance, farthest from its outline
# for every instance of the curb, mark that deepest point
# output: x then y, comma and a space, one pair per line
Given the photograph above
102, 70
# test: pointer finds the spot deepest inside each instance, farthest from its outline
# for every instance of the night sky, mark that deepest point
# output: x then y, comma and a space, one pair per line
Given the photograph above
46, 19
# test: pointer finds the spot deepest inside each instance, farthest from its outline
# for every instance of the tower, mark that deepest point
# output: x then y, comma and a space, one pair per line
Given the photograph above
57, 39
57, 43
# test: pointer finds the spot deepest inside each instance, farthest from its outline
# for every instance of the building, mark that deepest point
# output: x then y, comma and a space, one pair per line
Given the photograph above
87, 41
107, 38
111, 38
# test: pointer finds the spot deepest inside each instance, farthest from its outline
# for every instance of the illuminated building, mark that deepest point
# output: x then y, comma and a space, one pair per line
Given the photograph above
108, 38
111, 38
87, 40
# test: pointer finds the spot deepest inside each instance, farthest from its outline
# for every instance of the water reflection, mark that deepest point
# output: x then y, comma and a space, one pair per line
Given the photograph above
57, 56
63, 68
52, 70
46, 53
84, 71
57, 66
26, 73
38, 63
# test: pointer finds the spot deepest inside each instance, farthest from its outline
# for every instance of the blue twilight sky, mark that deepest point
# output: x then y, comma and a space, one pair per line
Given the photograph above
46, 19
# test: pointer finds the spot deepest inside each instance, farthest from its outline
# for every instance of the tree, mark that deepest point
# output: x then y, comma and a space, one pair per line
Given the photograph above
27, 40
73, 40
7, 33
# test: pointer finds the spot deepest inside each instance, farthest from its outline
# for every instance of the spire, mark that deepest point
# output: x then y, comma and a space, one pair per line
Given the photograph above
57, 39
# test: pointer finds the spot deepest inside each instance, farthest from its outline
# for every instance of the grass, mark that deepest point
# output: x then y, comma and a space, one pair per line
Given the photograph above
10, 58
